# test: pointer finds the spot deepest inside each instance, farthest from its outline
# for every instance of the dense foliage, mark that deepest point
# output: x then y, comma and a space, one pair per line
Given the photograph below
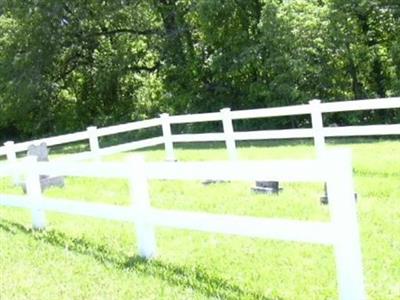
66, 65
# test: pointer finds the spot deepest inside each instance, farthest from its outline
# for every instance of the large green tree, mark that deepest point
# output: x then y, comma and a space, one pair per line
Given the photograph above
66, 65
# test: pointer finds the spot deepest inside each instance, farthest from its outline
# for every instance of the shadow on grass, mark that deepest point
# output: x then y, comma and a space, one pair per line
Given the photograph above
194, 278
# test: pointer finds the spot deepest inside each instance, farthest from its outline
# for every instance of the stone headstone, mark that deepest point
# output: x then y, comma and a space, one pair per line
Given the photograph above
267, 187
42, 153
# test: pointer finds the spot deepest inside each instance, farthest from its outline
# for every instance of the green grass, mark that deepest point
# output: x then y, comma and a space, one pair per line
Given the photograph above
84, 258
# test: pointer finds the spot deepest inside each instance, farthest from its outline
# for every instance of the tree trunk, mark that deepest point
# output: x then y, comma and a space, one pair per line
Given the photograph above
352, 70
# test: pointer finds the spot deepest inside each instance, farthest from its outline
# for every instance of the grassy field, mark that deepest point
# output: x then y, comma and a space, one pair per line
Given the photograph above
83, 258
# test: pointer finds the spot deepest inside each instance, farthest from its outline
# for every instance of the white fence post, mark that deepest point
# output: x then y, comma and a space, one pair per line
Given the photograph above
228, 130
12, 158
345, 225
318, 127
141, 205
167, 135
93, 141
34, 192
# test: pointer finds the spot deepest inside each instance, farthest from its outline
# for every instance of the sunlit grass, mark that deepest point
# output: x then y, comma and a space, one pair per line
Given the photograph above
84, 258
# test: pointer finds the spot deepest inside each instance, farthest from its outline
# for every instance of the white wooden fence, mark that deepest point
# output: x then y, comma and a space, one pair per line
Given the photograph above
334, 167
315, 108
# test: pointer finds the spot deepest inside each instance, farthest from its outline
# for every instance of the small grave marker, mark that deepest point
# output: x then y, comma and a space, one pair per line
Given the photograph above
42, 154
267, 187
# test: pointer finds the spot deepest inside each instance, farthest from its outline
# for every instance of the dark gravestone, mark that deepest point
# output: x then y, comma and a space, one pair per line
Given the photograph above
266, 187
42, 154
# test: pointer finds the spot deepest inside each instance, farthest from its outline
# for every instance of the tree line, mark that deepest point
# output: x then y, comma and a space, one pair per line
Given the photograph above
68, 64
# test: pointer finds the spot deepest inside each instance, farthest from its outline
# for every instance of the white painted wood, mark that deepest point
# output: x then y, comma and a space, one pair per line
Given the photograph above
97, 210
128, 127
10, 151
249, 170
287, 230
386, 103
367, 104
343, 210
284, 171
334, 167
68, 138
83, 135
317, 127
86, 155
56, 140
12, 158
271, 112
168, 142
366, 130
229, 133
3, 150
93, 141
6, 169
34, 192
115, 149
141, 204
131, 146
85, 169
15, 201
246, 135
81, 208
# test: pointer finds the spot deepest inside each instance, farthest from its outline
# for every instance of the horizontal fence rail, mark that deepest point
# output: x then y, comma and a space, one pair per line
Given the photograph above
131, 146
355, 105
280, 229
365, 130
128, 127
283, 170
52, 141
193, 118
334, 167
314, 108
271, 112
287, 230
80, 208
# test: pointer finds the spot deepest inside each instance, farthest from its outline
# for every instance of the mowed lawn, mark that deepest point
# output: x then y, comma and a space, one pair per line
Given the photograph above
85, 258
